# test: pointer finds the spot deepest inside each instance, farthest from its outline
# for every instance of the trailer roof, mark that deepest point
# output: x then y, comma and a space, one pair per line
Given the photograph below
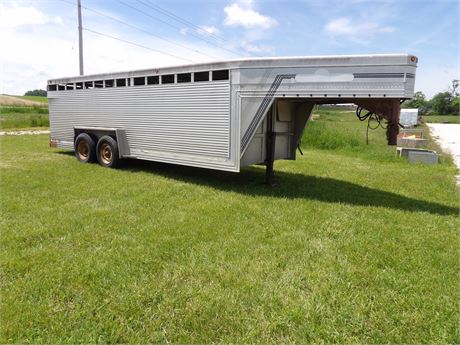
260, 62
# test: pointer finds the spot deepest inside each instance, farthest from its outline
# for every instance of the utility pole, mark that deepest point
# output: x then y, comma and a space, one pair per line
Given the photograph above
80, 37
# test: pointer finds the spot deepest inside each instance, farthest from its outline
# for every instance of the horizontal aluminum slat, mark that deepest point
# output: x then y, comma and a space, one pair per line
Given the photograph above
188, 119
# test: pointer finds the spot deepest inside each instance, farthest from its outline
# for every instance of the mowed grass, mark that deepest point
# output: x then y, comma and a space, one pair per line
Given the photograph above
21, 117
352, 245
441, 118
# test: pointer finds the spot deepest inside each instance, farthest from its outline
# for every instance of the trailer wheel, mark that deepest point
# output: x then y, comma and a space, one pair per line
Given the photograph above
107, 152
85, 148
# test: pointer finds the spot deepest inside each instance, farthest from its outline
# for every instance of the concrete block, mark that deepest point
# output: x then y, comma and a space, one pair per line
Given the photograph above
412, 142
429, 157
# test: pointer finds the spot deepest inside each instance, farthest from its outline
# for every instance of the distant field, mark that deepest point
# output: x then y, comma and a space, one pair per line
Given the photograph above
441, 118
8, 100
35, 98
20, 117
353, 245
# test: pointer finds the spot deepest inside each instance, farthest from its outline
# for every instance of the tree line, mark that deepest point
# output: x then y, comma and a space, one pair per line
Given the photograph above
36, 92
443, 103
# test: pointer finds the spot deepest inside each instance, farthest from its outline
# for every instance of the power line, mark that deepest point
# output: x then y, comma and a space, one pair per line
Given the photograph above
136, 44
177, 28
179, 19
155, 7
140, 29
158, 8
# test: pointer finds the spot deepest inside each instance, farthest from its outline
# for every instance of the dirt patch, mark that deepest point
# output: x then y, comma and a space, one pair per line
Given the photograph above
11, 100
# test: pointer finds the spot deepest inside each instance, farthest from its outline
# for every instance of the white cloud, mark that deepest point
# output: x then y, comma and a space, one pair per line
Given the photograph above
356, 30
247, 17
16, 16
257, 48
48, 48
211, 30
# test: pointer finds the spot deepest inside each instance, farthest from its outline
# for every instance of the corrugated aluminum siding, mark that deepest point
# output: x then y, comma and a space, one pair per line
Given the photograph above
190, 121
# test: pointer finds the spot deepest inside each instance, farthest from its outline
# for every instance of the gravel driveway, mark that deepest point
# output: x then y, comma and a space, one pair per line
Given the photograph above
25, 132
448, 137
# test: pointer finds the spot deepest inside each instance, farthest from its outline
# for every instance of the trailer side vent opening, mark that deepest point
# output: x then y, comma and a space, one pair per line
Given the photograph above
184, 77
220, 75
167, 79
201, 76
152, 80
139, 81
221, 115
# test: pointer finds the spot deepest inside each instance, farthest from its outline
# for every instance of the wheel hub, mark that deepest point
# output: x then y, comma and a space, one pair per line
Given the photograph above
105, 153
83, 149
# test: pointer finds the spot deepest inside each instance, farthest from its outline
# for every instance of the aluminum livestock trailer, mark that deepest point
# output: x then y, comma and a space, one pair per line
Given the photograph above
221, 115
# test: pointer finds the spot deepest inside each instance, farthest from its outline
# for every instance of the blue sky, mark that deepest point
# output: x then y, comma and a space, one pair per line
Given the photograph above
41, 36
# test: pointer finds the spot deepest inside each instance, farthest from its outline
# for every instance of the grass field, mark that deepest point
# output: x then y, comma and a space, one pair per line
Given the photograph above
353, 245
41, 99
441, 118
19, 117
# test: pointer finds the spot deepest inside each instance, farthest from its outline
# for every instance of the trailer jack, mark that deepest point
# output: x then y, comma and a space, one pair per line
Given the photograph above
270, 149
269, 173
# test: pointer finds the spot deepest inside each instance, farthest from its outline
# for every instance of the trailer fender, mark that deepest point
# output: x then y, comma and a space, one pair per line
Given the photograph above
119, 134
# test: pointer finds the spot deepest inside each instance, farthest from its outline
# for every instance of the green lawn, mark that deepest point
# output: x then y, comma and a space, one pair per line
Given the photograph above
441, 118
353, 245
20, 117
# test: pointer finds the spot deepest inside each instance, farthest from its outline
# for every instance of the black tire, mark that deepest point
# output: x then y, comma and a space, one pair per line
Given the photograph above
107, 152
85, 148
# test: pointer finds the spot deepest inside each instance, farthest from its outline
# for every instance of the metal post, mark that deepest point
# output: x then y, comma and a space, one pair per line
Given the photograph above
80, 37
393, 123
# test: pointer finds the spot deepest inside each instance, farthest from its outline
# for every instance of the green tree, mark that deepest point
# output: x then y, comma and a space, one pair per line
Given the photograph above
419, 101
442, 103
456, 105
36, 92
